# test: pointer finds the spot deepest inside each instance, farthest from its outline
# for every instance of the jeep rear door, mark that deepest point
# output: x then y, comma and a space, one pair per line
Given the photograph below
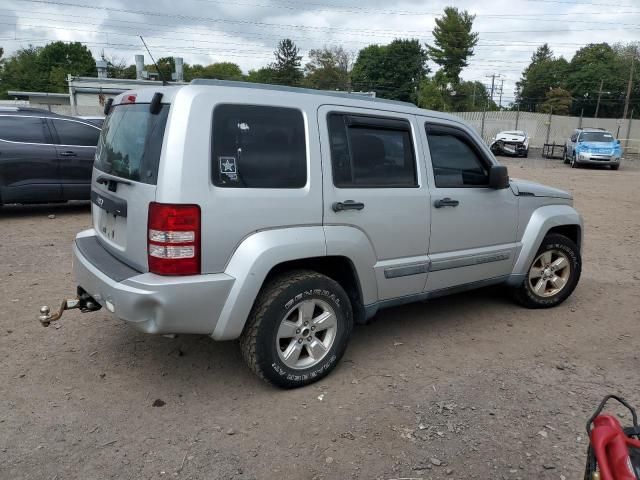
124, 181
473, 226
374, 183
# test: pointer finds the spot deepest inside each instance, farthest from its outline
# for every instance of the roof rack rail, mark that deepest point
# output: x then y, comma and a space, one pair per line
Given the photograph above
309, 91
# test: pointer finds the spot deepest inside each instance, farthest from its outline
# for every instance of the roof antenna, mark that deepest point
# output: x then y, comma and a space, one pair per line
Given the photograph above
164, 82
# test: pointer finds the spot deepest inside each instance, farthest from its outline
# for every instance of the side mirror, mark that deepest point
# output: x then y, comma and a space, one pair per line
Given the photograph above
498, 177
618, 141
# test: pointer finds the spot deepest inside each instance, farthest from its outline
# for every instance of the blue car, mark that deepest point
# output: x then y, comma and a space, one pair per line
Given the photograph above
593, 146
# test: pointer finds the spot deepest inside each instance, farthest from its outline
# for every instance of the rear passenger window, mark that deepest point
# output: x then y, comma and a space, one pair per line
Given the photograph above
455, 161
371, 152
76, 133
258, 147
23, 129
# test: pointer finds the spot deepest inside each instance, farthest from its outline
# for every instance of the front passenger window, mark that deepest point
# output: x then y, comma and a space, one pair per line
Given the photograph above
455, 162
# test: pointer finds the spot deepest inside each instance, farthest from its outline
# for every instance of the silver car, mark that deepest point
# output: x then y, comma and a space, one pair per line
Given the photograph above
281, 216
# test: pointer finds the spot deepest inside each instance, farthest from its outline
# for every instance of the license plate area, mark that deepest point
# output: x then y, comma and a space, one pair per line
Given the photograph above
107, 224
111, 227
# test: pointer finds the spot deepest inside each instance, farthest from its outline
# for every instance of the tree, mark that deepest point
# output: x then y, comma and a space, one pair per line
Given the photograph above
393, 71
329, 69
466, 97
287, 67
23, 71
219, 71
545, 72
223, 71
60, 59
262, 75
453, 42
558, 102
432, 96
591, 65
166, 65
117, 67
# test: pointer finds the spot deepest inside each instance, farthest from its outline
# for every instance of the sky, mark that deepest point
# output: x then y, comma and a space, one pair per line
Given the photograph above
246, 31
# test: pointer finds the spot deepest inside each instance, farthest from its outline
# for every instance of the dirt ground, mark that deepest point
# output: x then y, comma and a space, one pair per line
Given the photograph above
470, 386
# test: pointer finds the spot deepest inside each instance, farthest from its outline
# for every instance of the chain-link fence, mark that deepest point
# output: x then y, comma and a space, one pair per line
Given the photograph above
544, 128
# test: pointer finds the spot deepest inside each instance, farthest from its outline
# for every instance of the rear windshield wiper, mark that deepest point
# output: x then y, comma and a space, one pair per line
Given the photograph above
105, 178
111, 181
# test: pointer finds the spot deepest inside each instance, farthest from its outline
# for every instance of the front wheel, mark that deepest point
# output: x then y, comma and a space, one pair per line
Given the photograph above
615, 167
574, 162
553, 274
298, 329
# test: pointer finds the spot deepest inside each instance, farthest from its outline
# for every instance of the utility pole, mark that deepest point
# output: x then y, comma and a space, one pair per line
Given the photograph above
493, 82
501, 87
473, 99
626, 101
599, 95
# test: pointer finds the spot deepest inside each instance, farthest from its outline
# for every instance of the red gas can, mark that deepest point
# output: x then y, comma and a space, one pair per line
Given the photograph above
614, 453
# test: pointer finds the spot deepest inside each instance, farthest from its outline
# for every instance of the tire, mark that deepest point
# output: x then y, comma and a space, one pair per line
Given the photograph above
271, 333
565, 158
574, 162
560, 247
615, 167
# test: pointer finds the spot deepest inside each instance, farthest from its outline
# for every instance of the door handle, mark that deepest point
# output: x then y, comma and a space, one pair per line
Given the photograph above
446, 202
347, 205
68, 154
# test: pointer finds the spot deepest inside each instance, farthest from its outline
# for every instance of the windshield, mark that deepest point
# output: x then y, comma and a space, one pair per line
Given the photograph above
130, 143
518, 134
596, 137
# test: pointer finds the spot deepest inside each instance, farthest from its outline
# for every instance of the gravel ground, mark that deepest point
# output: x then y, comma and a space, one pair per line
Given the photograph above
469, 386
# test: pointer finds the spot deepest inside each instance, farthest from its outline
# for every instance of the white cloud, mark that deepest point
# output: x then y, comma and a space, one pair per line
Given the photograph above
246, 31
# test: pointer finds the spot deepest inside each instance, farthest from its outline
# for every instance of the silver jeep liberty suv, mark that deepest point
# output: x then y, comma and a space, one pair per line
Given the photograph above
283, 216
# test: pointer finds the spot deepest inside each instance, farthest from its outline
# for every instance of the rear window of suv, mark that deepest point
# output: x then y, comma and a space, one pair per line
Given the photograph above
130, 144
258, 147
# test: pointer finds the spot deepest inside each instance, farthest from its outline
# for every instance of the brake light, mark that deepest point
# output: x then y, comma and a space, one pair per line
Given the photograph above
128, 99
173, 239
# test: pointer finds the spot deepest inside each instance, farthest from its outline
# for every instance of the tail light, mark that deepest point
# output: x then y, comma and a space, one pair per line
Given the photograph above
174, 239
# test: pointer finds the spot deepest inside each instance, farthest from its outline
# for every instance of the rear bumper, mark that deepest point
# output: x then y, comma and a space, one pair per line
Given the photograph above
151, 303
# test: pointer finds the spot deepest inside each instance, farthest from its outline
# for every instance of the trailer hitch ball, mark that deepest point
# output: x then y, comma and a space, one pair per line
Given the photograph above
44, 315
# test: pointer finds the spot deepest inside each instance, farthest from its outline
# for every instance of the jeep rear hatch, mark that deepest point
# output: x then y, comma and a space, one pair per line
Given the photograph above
125, 178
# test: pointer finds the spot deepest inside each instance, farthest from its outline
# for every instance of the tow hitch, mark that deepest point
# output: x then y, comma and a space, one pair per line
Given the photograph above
84, 302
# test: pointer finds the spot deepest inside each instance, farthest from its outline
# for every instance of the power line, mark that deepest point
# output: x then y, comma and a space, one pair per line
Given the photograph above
277, 25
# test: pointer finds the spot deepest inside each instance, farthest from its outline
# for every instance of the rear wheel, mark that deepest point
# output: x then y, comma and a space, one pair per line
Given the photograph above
298, 329
553, 274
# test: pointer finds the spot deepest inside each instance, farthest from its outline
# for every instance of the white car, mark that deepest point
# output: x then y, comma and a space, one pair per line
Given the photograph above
514, 142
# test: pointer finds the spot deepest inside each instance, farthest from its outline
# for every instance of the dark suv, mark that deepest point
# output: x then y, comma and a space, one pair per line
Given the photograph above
45, 157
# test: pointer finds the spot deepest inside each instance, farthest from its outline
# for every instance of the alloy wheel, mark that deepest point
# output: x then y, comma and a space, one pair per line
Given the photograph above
549, 273
306, 334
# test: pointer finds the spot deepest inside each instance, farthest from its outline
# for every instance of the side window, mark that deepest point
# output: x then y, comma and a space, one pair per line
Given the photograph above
76, 133
23, 129
371, 152
456, 163
258, 147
